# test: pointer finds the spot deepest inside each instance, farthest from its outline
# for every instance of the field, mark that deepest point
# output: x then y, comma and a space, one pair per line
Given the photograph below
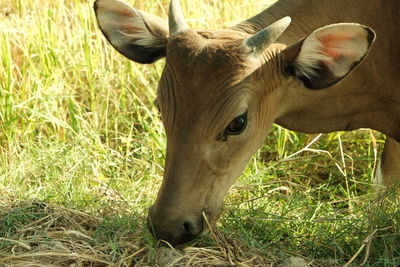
82, 152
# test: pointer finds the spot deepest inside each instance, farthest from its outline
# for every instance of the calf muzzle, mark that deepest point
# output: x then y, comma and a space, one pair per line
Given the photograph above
176, 229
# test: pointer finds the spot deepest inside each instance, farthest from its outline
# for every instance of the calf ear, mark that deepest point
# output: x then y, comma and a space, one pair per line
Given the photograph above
328, 54
137, 35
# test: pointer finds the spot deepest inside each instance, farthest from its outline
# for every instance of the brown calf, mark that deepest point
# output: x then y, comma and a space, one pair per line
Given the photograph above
221, 90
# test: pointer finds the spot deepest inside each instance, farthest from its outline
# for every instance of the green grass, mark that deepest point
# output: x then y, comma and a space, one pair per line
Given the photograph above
78, 129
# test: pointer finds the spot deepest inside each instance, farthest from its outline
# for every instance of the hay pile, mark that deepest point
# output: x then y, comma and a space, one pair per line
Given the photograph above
40, 234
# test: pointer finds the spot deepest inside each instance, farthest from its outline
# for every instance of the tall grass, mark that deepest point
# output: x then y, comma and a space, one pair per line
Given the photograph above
78, 129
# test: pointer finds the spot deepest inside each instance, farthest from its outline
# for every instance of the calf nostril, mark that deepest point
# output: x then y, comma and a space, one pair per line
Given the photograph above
189, 228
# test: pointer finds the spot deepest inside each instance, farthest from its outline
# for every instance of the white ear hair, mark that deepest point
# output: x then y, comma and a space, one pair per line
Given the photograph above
307, 62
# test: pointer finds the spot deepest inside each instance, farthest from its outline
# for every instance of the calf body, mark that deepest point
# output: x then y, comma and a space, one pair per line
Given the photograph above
221, 90
370, 97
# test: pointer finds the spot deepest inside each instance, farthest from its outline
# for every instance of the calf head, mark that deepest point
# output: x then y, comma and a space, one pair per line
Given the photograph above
219, 94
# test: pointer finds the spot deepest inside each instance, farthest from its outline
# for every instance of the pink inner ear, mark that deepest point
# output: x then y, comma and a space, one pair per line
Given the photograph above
129, 29
333, 45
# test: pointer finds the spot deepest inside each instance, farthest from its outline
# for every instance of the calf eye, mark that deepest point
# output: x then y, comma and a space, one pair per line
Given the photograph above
237, 125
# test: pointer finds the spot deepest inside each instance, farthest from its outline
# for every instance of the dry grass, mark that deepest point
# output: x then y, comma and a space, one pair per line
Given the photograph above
40, 234
53, 236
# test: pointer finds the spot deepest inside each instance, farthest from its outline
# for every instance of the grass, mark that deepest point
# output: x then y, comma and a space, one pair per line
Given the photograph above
82, 152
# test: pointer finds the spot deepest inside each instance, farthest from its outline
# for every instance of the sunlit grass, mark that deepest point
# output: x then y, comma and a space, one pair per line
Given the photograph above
78, 129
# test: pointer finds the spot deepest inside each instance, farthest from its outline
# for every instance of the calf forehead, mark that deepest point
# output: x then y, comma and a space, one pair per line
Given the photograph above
201, 69
196, 58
